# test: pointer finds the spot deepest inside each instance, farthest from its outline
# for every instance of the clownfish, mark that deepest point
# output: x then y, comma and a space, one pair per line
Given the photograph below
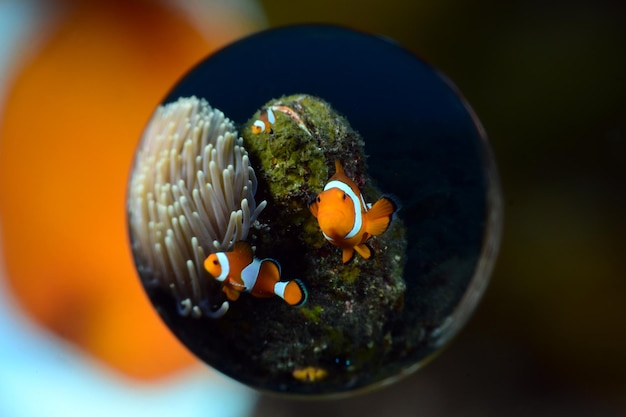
346, 221
240, 271
264, 122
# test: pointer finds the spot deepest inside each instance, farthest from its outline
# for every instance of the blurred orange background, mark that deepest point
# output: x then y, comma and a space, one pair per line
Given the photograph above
71, 122
547, 81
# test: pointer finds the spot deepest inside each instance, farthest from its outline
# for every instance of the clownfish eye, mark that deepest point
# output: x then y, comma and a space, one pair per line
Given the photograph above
318, 199
344, 196
215, 262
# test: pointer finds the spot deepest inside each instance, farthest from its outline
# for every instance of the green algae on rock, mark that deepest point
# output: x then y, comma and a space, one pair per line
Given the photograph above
351, 307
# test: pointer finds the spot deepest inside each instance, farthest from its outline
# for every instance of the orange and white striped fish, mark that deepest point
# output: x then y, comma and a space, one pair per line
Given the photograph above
264, 122
344, 217
240, 271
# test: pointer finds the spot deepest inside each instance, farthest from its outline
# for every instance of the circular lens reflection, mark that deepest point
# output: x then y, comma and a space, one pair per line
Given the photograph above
405, 134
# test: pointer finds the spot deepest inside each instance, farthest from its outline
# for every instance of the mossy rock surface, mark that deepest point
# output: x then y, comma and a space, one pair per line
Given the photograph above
344, 328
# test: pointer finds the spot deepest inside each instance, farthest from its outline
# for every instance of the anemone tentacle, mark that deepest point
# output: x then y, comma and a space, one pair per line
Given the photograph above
191, 193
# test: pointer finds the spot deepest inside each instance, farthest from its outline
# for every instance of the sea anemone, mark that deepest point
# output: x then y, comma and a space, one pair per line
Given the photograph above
191, 193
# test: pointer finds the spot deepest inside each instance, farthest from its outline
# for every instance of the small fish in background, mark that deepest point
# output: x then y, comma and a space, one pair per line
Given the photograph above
240, 271
264, 122
309, 374
344, 217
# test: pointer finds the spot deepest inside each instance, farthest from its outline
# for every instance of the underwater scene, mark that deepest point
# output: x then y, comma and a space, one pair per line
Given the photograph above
314, 211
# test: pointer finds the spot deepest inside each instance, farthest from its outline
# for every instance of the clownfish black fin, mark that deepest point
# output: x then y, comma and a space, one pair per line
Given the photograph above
347, 255
303, 291
272, 267
313, 206
379, 216
293, 292
364, 250
339, 168
243, 248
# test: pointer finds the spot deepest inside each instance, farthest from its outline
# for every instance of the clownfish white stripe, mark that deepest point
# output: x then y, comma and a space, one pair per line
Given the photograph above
240, 272
223, 260
250, 273
279, 289
334, 215
356, 201
260, 125
270, 116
